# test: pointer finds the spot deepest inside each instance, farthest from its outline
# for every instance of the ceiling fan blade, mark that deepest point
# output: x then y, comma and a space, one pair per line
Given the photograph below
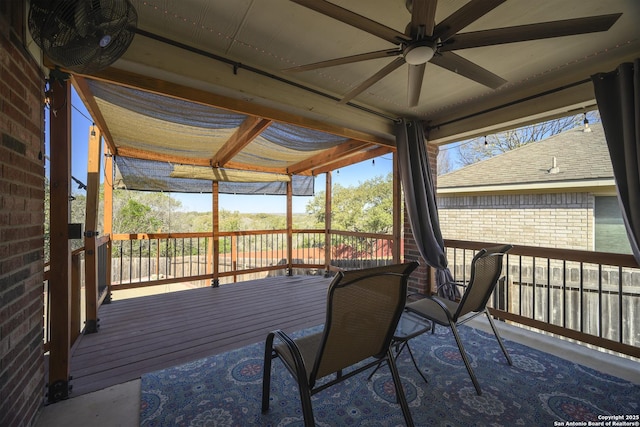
414, 86
464, 16
346, 60
468, 69
373, 79
543, 30
423, 16
351, 18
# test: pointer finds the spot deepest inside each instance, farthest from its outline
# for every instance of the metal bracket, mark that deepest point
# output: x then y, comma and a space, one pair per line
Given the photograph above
91, 326
89, 233
215, 283
75, 231
58, 391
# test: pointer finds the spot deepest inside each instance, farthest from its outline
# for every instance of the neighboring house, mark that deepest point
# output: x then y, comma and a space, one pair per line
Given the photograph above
558, 192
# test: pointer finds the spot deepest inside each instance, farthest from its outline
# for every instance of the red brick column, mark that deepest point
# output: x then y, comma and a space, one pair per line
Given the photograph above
422, 280
21, 223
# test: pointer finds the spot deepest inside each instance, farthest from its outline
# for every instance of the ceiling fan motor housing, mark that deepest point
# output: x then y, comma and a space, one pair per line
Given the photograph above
419, 52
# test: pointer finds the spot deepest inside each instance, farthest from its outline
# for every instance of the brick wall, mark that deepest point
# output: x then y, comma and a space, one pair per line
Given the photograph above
564, 220
422, 279
21, 224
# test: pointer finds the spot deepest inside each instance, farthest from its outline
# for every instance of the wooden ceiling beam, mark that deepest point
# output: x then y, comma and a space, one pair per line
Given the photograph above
168, 158
249, 130
350, 160
328, 156
244, 166
137, 153
82, 88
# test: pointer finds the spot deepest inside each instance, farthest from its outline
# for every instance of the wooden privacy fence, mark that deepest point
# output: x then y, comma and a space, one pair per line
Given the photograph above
592, 297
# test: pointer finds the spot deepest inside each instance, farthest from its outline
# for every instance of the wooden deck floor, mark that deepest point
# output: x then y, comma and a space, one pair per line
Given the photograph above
144, 334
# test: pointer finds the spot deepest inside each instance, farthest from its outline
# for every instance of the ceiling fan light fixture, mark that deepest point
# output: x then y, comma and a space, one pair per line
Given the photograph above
419, 53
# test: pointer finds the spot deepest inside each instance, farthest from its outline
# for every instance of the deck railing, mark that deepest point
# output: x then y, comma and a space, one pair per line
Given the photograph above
591, 297
140, 260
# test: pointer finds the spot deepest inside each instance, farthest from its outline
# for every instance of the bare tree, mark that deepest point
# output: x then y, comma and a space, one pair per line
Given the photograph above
445, 164
482, 148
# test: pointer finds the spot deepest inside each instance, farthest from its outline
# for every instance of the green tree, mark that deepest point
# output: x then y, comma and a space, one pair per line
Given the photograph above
229, 221
135, 217
367, 207
145, 212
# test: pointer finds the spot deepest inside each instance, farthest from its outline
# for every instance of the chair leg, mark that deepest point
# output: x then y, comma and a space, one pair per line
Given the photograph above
305, 399
413, 359
465, 358
401, 398
374, 371
495, 331
303, 387
266, 372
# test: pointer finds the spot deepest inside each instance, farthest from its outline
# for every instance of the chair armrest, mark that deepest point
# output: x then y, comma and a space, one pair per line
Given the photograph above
290, 343
450, 290
461, 284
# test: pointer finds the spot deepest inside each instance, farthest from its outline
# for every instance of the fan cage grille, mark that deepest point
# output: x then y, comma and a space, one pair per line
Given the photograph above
70, 32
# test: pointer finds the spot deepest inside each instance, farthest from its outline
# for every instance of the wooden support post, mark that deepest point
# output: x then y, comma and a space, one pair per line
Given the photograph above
76, 298
91, 225
60, 273
108, 212
108, 191
397, 210
327, 224
209, 267
234, 257
290, 226
215, 282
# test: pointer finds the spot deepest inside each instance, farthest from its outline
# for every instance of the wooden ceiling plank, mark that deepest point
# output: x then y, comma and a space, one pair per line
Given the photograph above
249, 130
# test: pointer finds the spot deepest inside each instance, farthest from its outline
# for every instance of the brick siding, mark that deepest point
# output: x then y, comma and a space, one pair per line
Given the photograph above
558, 220
21, 224
422, 279
563, 220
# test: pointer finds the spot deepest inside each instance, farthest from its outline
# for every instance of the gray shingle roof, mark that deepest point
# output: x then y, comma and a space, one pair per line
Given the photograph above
580, 156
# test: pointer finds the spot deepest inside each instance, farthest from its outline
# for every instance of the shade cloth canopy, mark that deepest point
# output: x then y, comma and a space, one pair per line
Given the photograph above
163, 143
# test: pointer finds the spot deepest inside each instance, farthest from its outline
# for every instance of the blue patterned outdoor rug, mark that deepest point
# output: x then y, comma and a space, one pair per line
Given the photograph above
538, 390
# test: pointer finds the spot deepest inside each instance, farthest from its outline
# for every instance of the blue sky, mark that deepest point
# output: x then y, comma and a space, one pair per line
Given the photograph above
349, 176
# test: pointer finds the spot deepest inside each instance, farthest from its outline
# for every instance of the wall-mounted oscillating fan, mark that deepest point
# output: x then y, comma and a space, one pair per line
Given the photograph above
83, 36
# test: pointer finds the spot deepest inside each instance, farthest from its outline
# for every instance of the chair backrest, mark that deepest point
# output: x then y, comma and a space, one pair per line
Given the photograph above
486, 268
363, 310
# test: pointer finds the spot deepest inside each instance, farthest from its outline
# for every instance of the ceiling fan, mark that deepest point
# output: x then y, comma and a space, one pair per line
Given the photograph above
423, 41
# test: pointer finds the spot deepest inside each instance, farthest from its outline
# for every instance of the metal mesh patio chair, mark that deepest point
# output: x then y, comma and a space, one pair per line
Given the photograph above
363, 309
486, 268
